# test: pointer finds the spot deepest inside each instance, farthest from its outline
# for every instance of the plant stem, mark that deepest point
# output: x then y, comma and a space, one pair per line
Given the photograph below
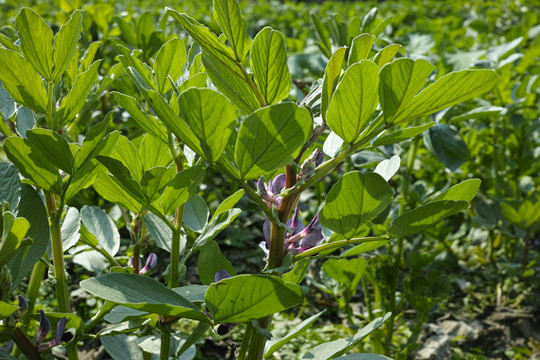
62, 293
50, 106
256, 346
245, 342
165, 345
399, 253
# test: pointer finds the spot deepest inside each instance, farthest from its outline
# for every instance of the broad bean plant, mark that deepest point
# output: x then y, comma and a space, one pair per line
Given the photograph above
203, 102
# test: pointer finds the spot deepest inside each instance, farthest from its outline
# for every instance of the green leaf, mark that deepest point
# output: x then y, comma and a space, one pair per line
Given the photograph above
246, 297
102, 227
66, 43
331, 78
122, 176
424, 216
399, 134
37, 41
24, 121
158, 231
229, 17
146, 122
329, 350
71, 225
270, 138
481, 112
83, 178
211, 117
197, 80
447, 145
122, 347
386, 55
53, 146
400, 81
143, 72
364, 248
22, 81
346, 272
183, 186
33, 164
353, 201
203, 36
172, 121
298, 272
170, 61
322, 33
7, 309
215, 226
141, 293
31, 208
7, 105
128, 154
360, 48
108, 188
154, 181
13, 232
275, 344
399, 99
269, 63
465, 190
229, 202
95, 142
195, 213
354, 101
10, 185
228, 78
210, 261
75, 100
154, 152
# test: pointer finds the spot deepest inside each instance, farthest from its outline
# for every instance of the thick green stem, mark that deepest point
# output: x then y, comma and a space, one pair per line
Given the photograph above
62, 293
165, 345
399, 253
256, 346
245, 342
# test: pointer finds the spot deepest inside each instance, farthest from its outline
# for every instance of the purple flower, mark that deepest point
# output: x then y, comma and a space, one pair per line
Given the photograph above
59, 337
300, 239
220, 275
151, 262
44, 328
270, 192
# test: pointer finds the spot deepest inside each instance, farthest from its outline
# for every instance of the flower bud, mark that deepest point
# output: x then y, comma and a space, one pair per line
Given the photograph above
151, 263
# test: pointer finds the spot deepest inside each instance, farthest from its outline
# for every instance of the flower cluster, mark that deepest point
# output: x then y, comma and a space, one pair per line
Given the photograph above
300, 238
44, 329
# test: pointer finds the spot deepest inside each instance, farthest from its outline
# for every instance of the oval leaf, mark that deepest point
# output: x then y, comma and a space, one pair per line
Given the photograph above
141, 293
271, 137
246, 297
211, 117
269, 63
353, 201
424, 216
354, 101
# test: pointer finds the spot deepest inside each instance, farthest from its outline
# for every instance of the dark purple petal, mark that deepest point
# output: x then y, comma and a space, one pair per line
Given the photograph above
44, 328
60, 328
295, 224
23, 306
220, 275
